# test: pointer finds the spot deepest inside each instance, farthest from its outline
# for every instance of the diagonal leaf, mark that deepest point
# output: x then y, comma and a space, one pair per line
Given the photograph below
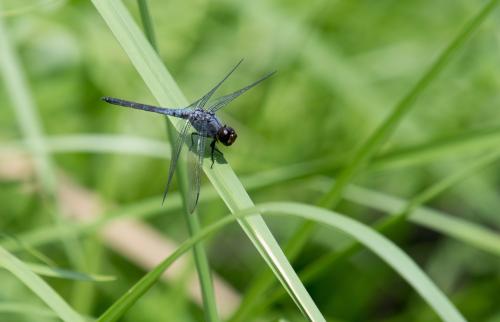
225, 181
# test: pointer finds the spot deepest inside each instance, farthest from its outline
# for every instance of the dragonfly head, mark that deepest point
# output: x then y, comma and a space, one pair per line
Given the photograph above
227, 135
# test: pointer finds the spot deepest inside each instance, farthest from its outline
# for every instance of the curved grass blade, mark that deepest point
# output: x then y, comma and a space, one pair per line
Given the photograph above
38, 286
371, 239
225, 181
68, 274
319, 266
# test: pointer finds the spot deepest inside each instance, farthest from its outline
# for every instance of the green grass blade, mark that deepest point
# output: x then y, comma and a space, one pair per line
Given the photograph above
38, 286
67, 274
408, 208
192, 219
387, 127
24, 109
371, 239
369, 148
105, 143
29, 123
374, 142
24, 309
462, 230
451, 226
147, 23
452, 179
50, 269
419, 154
225, 181
479, 238
451, 147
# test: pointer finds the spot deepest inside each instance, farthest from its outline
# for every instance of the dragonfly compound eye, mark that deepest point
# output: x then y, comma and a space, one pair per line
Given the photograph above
226, 135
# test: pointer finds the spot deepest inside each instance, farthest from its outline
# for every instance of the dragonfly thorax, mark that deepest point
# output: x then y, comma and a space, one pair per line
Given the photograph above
205, 123
226, 135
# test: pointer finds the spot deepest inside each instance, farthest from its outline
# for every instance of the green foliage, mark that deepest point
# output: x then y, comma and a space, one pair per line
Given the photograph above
321, 130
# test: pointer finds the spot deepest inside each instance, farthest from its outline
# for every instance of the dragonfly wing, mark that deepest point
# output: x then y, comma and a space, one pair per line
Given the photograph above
176, 151
226, 99
203, 100
194, 167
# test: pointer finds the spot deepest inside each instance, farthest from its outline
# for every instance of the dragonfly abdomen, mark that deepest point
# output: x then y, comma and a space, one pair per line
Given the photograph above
181, 112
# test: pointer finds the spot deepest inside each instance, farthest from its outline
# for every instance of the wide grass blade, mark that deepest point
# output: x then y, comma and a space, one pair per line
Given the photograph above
371, 239
225, 181
38, 286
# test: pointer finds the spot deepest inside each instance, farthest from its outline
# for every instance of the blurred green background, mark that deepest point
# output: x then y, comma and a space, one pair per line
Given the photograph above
342, 66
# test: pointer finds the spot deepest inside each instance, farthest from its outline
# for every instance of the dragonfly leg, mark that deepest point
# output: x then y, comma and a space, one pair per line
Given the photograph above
213, 149
192, 141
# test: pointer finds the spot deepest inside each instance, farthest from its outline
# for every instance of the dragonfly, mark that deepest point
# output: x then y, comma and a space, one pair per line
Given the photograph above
201, 125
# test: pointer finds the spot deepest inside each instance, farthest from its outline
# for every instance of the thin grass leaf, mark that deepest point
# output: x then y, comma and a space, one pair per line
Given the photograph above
225, 181
450, 147
199, 254
30, 125
38, 286
460, 229
68, 274
371, 239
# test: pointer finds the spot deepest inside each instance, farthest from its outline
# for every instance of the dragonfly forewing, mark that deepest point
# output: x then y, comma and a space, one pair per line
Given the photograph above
226, 99
200, 103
